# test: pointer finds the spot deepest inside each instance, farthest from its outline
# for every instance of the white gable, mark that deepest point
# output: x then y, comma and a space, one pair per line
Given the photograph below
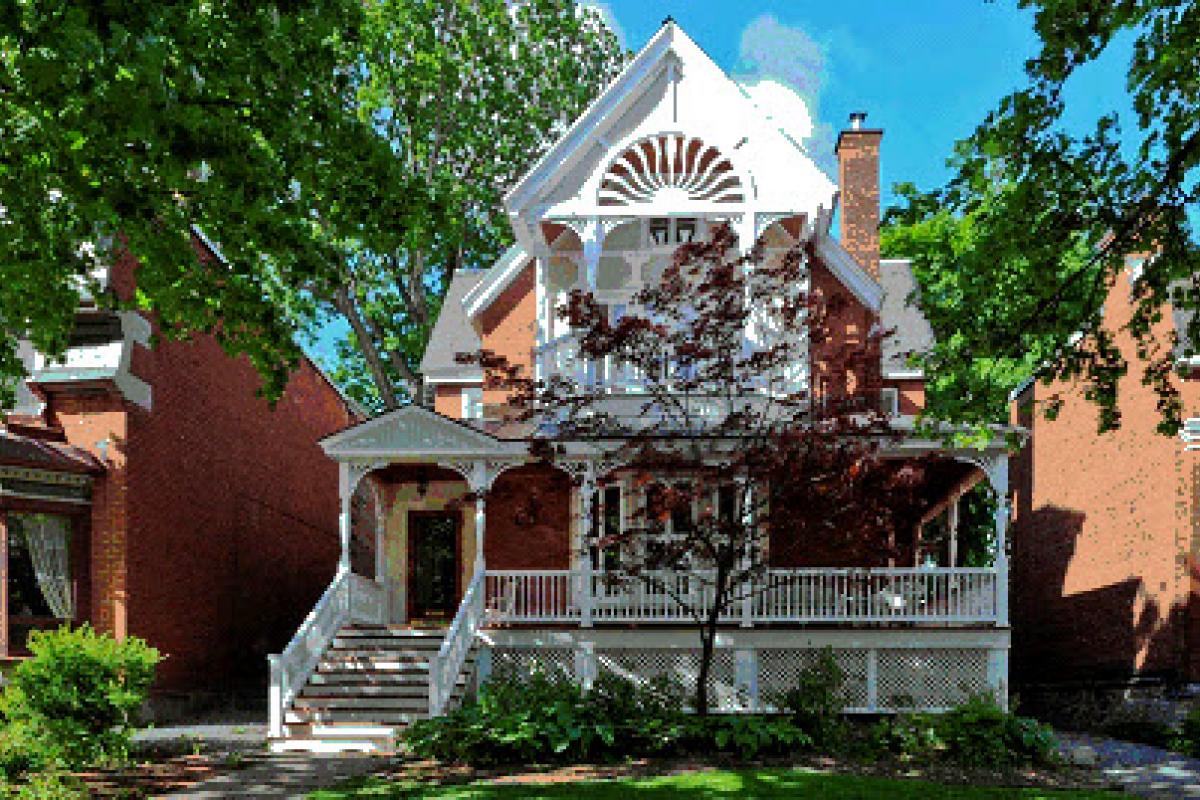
670, 95
413, 431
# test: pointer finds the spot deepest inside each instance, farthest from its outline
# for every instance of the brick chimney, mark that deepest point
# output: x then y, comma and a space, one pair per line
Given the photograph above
857, 153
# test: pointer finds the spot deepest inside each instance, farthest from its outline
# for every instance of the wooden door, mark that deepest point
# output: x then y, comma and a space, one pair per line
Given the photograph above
434, 554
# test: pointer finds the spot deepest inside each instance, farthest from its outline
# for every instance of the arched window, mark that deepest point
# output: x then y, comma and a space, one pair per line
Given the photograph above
670, 166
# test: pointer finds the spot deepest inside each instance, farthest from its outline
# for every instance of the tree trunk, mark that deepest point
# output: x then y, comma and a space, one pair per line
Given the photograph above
387, 392
707, 639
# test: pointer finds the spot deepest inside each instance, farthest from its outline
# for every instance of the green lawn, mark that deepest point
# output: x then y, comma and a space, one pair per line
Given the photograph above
765, 783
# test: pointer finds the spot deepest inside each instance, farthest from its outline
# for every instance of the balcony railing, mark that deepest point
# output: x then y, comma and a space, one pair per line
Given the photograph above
560, 356
957, 596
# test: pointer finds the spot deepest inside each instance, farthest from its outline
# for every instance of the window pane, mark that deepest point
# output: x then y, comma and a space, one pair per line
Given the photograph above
612, 511
681, 513
25, 598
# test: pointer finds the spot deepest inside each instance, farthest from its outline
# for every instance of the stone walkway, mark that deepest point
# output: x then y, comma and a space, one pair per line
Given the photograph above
1141, 769
289, 775
256, 774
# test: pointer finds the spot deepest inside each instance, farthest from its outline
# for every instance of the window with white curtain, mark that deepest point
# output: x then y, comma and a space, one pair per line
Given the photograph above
39, 566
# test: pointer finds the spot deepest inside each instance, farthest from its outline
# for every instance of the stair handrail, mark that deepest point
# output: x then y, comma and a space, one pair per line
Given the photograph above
446, 665
291, 669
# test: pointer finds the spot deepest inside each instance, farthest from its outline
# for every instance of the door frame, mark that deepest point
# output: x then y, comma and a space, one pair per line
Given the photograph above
416, 513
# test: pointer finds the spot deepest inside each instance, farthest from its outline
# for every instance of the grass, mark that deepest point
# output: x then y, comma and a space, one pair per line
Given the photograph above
761, 783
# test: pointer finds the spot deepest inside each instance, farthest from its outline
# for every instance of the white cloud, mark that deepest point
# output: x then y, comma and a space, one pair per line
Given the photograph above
784, 106
783, 69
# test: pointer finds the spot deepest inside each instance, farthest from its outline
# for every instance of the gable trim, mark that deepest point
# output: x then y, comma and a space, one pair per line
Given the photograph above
467, 440
498, 278
849, 272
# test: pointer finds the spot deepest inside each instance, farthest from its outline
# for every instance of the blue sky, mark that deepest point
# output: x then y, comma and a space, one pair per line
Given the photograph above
926, 71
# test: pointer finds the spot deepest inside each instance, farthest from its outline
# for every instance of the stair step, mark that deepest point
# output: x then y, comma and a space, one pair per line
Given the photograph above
367, 644
391, 630
392, 718
416, 689
358, 702
333, 661
365, 677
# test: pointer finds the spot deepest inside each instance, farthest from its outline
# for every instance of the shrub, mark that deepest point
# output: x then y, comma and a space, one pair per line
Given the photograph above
52, 786
981, 733
744, 735
908, 736
814, 702
75, 698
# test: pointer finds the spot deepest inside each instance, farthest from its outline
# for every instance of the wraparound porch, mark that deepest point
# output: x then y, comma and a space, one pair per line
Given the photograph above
515, 575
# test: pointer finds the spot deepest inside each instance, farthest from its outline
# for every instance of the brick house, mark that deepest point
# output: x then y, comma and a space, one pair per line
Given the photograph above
485, 559
150, 492
1104, 529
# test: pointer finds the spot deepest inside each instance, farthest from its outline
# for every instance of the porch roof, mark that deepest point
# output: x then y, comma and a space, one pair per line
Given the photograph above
416, 433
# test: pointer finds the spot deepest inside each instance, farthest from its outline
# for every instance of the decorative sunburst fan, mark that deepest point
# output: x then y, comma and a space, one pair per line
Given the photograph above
673, 164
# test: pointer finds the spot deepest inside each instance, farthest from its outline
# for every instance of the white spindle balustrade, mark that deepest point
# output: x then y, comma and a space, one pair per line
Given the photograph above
348, 598
913, 595
446, 665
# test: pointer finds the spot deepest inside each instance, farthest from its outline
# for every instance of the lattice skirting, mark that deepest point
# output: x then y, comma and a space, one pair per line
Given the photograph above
876, 680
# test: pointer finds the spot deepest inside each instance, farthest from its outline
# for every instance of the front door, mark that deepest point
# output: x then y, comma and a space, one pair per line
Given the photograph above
433, 569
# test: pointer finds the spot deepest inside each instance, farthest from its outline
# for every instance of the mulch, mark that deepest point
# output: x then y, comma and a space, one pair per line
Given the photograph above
156, 777
1059, 777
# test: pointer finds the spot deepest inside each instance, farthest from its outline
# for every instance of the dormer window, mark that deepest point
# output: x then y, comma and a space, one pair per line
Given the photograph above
672, 230
660, 231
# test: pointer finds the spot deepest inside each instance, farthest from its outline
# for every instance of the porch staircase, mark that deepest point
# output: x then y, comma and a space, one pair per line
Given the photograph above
370, 682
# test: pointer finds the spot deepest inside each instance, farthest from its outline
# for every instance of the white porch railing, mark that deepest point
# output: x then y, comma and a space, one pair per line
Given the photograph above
446, 665
943, 595
349, 598
560, 356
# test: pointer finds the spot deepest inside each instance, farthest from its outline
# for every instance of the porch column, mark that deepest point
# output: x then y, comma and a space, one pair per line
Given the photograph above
952, 523
587, 489
746, 494
479, 485
999, 481
344, 493
3, 583
593, 246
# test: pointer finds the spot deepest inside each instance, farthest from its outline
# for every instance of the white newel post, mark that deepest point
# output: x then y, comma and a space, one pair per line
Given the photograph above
587, 489
275, 697
344, 492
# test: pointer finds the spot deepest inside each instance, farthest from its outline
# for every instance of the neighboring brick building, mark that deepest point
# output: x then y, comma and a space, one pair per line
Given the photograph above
158, 496
1105, 531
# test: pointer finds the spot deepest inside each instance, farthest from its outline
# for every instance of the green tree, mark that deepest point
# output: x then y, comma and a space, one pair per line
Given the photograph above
347, 157
124, 124
469, 93
1015, 255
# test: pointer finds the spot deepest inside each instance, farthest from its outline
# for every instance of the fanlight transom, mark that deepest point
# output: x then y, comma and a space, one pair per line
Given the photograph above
670, 166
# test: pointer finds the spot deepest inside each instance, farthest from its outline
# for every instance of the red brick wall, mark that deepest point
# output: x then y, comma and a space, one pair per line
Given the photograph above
849, 322
215, 531
1103, 534
447, 399
234, 531
911, 394
509, 328
87, 420
529, 520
